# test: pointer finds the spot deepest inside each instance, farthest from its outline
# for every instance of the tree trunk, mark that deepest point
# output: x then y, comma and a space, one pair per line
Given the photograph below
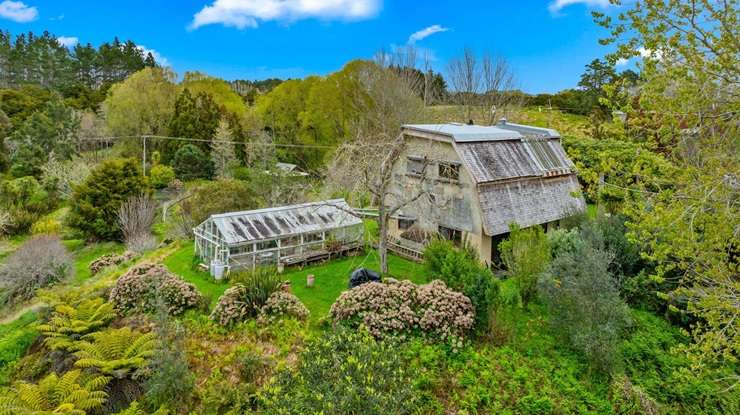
383, 239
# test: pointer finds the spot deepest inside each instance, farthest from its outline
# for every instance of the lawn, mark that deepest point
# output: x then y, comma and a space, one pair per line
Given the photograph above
331, 277
85, 254
181, 263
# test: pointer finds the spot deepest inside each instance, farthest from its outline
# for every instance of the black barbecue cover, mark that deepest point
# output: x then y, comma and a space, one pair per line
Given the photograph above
361, 276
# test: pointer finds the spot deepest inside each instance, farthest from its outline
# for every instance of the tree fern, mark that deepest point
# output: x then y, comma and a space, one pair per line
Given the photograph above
72, 393
115, 352
70, 323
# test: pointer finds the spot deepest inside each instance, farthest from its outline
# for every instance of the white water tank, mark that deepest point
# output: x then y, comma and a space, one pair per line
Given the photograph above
217, 270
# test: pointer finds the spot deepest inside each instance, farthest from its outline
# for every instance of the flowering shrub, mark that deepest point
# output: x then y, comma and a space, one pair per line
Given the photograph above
282, 303
109, 260
432, 309
231, 307
144, 286
247, 297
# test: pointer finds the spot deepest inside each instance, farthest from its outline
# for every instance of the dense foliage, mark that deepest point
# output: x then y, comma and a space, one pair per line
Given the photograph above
95, 203
23, 201
525, 253
344, 372
252, 291
462, 270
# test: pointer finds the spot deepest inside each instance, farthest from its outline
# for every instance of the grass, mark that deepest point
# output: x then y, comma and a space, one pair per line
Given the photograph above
15, 338
181, 263
85, 254
332, 278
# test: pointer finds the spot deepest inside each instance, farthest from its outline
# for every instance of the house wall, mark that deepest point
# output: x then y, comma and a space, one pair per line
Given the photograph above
455, 204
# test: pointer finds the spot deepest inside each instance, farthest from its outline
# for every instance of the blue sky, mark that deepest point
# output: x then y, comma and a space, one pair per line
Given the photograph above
547, 42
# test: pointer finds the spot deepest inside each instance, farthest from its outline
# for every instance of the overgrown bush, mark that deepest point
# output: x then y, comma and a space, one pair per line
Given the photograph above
144, 286
247, 297
190, 163
584, 303
344, 372
629, 399
224, 195
160, 176
526, 254
40, 262
405, 308
24, 200
95, 203
170, 382
46, 226
281, 303
461, 270
109, 260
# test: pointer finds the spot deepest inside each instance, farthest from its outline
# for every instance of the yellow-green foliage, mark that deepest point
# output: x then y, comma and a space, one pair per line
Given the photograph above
116, 352
71, 322
47, 225
72, 393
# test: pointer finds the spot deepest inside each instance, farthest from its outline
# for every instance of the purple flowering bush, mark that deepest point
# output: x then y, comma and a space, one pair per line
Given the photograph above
403, 307
145, 286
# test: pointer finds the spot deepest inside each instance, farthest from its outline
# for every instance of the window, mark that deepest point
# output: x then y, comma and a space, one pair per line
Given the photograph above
404, 224
312, 237
415, 165
242, 249
450, 171
450, 234
261, 246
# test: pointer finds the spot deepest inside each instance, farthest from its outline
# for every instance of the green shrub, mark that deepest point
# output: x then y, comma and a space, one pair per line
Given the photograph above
246, 298
170, 382
190, 163
95, 203
71, 393
525, 254
148, 286
24, 200
406, 308
462, 271
584, 303
46, 226
344, 372
160, 176
654, 362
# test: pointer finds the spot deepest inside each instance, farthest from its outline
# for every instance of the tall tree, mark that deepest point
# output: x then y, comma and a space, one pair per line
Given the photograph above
690, 67
195, 117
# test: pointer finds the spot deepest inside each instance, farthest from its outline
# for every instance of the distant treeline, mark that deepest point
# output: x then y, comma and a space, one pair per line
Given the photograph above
81, 74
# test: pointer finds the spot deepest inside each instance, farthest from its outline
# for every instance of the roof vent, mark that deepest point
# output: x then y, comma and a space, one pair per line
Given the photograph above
502, 121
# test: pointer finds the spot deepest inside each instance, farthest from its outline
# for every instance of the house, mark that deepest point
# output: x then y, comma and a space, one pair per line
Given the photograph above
278, 235
478, 180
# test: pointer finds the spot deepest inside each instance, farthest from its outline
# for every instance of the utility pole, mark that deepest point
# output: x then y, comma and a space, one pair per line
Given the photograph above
143, 155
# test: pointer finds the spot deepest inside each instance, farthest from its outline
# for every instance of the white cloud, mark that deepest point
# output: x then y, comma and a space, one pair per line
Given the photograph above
650, 54
426, 32
557, 5
622, 62
18, 11
68, 41
248, 13
161, 60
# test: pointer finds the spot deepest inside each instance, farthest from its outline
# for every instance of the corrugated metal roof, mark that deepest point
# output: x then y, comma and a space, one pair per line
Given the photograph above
277, 222
490, 161
528, 202
462, 133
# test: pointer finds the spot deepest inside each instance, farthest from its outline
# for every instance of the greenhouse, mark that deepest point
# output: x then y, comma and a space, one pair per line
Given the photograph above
277, 236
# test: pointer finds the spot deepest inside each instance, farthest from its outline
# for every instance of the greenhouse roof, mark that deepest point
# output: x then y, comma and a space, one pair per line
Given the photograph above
277, 222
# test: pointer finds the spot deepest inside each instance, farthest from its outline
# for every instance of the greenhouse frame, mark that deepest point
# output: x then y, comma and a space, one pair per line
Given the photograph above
279, 235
